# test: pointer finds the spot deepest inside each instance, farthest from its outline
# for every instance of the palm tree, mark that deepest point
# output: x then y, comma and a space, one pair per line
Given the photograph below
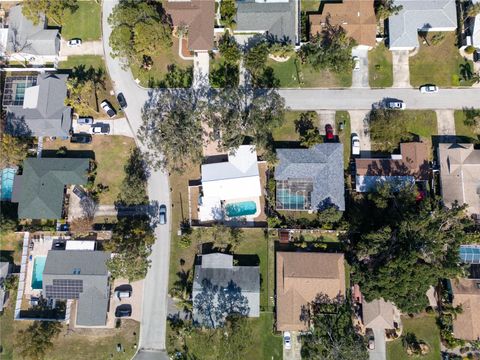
473, 10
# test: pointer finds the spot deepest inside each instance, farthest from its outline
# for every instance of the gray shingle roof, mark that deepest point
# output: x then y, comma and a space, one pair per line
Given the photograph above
49, 117
39, 190
25, 37
279, 19
90, 268
322, 163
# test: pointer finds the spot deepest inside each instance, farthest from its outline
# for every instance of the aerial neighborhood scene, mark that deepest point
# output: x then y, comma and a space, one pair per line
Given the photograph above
240, 179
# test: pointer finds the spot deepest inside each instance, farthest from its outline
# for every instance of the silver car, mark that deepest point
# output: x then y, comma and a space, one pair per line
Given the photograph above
427, 89
355, 145
162, 215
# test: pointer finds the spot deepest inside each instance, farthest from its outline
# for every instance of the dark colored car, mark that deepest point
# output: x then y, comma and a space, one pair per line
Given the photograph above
121, 100
162, 215
79, 192
329, 132
108, 108
124, 310
81, 138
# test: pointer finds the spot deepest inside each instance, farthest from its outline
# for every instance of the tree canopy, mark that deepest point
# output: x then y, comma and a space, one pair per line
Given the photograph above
13, 150
55, 10
133, 189
387, 130
37, 339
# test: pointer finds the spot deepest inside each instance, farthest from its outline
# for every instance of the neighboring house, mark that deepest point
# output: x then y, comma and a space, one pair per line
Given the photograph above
310, 179
466, 292
380, 314
29, 42
460, 175
419, 16
5, 270
475, 32
356, 17
40, 190
199, 17
231, 188
221, 288
410, 166
34, 105
79, 275
275, 18
301, 276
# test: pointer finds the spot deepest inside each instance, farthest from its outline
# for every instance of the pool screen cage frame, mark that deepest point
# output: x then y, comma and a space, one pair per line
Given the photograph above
286, 189
8, 93
470, 254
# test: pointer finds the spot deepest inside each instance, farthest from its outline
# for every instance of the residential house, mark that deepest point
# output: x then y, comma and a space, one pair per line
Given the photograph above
27, 42
310, 179
5, 270
419, 16
277, 19
408, 167
79, 275
380, 315
223, 288
34, 105
300, 277
466, 292
40, 190
460, 175
356, 17
231, 189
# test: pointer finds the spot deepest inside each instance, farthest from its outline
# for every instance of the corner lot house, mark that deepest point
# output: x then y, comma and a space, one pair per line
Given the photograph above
410, 166
419, 15
79, 275
40, 190
460, 175
466, 292
301, 276
310, 179
221, 288
356, 17
34, 105
28, 42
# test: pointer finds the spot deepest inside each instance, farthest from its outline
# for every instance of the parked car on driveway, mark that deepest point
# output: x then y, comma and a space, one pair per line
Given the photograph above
121, 100
425, 89
81, 138
355, 145
124, 310
329, 132
370, 339
74, 42
356, 63
162, 215
396, 105
287, 340
85, 120
108, 108
100, 129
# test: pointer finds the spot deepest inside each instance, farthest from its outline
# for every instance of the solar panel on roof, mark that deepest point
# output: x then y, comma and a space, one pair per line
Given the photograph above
64, 289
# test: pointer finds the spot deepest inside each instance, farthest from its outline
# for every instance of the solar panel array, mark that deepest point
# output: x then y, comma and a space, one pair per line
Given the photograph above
294, 194
470, 254
64, 289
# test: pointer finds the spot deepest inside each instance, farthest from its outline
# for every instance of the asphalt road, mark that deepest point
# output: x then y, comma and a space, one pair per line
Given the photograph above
153, 325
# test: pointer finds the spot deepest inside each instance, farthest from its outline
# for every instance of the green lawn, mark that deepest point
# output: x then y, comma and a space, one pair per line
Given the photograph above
380, 69
310, 5
463, 130
425, 328
345, 135
438, 64
94, 61
287, 131
85, 23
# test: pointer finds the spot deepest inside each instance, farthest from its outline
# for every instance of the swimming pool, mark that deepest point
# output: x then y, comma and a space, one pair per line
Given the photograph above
241, 209
6, 188
37, 274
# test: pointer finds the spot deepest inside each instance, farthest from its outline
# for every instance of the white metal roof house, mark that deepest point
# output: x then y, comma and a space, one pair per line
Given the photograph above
419, 15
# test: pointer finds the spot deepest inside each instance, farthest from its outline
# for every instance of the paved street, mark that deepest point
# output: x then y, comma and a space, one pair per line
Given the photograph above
153, 325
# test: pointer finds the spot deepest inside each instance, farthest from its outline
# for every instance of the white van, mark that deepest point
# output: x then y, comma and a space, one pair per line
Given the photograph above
123, 294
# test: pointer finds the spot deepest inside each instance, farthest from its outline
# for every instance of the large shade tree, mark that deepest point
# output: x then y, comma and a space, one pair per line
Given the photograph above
55, 10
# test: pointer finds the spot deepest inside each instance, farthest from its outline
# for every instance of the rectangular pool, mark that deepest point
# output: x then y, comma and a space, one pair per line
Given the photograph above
37, 274
241, 209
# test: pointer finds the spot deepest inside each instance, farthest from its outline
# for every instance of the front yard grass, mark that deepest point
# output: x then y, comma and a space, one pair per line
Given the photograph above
380, 68
469, 132
439, 64
425, 328
310, 5
84, 23
287, 131
11, 244
111, 153
344, 136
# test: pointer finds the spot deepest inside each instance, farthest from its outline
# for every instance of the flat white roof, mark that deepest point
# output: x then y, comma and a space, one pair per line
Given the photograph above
80, 245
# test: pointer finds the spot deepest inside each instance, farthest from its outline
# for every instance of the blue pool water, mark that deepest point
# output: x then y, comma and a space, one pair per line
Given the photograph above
7, 183
241, 209
37, 275
290, 201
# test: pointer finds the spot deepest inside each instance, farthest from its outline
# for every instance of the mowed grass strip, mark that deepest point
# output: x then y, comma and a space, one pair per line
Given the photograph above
84, 23
380, 68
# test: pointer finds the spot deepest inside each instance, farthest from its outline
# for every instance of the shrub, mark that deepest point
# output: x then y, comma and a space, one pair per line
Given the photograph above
185, 241
469, 49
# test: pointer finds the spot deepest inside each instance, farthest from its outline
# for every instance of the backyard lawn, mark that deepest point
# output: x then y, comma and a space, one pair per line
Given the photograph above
380, 69
111, 154
425, 328
310, 5
84, 23
470, 132
439, 64
344, 136
11, 247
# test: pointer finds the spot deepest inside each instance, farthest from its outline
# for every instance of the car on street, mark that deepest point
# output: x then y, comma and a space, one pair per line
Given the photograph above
329, 132
370, 339
74, 42
396, 105
81, 138
121, 100
355, 145
426, 89
287, 340
124, 310
85, 120
162, 215
108, 108
98, 128
356, 63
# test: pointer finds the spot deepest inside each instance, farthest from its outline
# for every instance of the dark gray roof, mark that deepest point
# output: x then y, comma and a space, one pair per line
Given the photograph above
276, 18
323, 164
84, 267
25, 37
43, 112
39, 190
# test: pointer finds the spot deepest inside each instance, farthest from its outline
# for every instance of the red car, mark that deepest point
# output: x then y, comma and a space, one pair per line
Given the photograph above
329, 132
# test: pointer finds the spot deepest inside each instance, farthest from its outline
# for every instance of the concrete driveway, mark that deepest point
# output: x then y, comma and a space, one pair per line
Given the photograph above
87, 48
359, 126
360, 76
117, 127
380, 352
445, 122
201, 68
401, 69
294, 352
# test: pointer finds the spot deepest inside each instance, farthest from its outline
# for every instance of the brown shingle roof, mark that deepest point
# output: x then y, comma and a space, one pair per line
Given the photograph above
199, 16
356, 17
300, 277
467, 293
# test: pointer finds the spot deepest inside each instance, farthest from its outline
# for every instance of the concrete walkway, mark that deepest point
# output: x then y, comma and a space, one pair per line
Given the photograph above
87, 48
359, 126
360, 76
401, 69
201, 69
445, 122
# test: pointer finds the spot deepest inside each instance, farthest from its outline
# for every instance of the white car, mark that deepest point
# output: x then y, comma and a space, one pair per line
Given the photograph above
426, 89
287, 340
355, 145
356, 62
100, 129
107, 108
74, 42
396, 105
